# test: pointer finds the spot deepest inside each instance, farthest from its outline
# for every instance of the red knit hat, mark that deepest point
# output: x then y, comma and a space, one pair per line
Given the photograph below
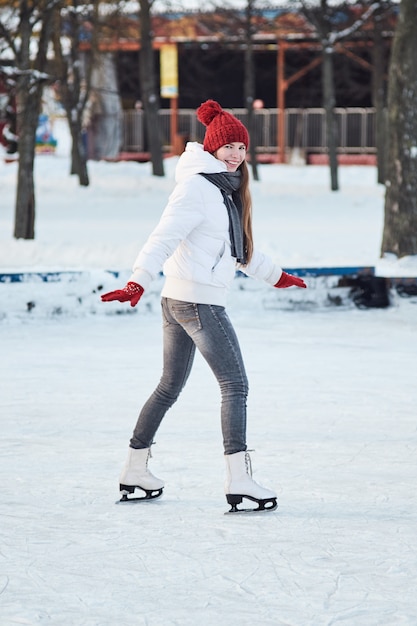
222, 127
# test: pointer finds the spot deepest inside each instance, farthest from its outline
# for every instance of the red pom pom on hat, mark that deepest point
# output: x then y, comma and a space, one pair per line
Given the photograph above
222, 127
208, 111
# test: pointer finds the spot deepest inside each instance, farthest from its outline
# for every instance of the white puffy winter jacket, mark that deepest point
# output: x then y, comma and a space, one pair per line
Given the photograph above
191, 242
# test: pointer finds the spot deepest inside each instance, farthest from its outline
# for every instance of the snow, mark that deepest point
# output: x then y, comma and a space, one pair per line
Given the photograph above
331, 417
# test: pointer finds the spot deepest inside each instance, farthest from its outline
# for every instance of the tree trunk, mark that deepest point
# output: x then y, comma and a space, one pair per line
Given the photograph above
378, 95
150, 93
329, 105
29, 94
24, 226
250, 89
400, 225
78, 154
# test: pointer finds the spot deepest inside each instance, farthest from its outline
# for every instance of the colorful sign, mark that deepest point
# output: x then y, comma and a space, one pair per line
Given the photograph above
169, 71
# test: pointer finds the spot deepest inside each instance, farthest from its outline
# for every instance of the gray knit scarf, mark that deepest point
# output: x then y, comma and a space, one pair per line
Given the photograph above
229, 184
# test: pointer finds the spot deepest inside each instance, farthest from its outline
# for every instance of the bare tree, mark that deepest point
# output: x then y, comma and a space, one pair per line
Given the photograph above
321, 17
74, 74
250, 85
150, 87
379, 91
28, 34
400, 225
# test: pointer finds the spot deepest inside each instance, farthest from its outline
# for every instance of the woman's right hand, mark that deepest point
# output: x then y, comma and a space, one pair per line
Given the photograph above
131, 293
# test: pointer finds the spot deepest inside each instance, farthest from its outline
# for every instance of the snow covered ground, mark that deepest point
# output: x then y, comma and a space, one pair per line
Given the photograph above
332, 420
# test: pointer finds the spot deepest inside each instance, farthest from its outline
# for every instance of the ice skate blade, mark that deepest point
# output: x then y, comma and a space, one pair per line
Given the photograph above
150, 494
269, 504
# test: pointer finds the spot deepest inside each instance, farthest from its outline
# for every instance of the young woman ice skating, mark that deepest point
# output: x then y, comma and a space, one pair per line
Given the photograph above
202, 238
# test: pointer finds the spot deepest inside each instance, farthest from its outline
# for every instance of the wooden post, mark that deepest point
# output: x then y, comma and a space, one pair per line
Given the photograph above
174, 126
281, 88
169, 88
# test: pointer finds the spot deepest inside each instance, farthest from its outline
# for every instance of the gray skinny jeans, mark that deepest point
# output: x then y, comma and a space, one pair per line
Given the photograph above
207, 327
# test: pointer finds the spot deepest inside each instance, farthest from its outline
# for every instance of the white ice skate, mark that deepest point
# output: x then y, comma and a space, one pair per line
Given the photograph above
136, 475
240, 484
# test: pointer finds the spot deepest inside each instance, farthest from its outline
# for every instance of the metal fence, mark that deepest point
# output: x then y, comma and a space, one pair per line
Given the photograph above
305, 129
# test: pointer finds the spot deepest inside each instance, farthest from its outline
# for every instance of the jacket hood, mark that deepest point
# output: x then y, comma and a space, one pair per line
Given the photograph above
195, 160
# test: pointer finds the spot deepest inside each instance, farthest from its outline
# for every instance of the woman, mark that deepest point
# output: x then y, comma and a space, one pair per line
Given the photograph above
203, 237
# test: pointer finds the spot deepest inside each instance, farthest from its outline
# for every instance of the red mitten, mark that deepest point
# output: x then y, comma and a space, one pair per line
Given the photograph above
131, 293
288, 280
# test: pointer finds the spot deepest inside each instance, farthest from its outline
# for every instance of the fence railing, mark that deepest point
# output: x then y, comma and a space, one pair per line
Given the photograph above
305, 129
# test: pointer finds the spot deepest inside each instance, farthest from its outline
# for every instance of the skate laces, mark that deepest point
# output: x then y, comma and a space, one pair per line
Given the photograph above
248, 462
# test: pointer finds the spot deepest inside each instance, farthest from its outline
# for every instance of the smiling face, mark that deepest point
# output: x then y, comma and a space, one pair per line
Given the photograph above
232, 155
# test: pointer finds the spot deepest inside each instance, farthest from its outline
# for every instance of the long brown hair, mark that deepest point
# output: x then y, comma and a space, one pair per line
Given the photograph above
247, 211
